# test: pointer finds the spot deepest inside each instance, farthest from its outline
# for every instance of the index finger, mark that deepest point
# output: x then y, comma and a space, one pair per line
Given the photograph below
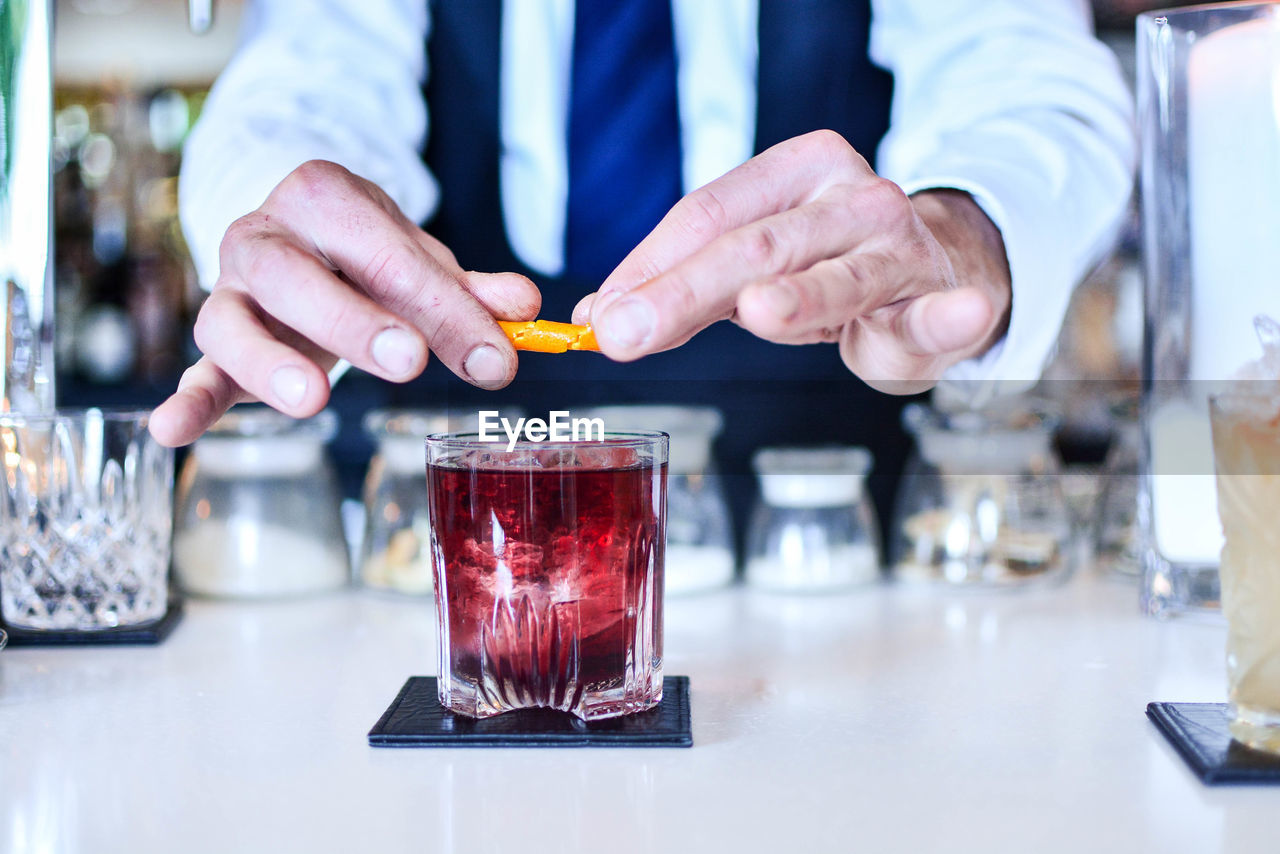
204, 394
667, 310
379, 249
780, 178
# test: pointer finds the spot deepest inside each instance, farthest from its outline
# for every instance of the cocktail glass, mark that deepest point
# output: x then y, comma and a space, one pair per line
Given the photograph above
86, 516
548, 566
1246, 447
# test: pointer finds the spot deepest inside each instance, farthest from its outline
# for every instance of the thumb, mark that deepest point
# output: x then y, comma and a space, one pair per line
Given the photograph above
946, 322
507, 296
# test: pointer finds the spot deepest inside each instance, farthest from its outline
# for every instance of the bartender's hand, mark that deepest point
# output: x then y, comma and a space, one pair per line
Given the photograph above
330, 268
805, 243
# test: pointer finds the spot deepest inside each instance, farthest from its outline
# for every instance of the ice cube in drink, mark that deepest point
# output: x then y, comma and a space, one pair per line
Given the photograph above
1246, 444
548, 566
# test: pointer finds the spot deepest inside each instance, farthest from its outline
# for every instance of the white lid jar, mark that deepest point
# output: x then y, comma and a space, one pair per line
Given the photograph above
814, 528
258, 509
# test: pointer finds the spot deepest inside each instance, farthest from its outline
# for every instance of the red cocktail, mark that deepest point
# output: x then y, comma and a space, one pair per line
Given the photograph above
548, 566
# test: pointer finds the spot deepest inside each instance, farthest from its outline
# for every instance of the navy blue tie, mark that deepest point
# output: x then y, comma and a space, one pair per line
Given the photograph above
624, 131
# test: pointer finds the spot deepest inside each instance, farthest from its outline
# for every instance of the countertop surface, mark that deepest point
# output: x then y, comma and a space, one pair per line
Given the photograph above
888, 719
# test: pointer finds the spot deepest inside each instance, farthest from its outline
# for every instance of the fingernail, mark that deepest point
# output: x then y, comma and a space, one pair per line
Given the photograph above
395, 351
780, 300
628, 324
582, 311
485, 366
289, 385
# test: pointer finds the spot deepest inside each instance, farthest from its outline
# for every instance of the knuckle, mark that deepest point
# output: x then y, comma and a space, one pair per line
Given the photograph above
341, 324
705, 213
447, 316
265, 264
854, 271
681, 297
829, 146
389, 271
889, 200
442, 329
647, 267
201, 331
685, 296
316, 184
242, 232
826, 141
810, 299
313, 179
394, 275
760, 248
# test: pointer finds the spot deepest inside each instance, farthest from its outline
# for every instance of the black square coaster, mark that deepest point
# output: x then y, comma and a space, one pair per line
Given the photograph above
1198, 731
140, 635
416, 719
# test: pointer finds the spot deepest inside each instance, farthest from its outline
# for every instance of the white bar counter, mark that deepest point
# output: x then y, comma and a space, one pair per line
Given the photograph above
889, 719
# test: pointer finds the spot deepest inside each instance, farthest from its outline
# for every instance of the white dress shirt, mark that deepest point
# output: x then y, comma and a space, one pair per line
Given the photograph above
1013, 102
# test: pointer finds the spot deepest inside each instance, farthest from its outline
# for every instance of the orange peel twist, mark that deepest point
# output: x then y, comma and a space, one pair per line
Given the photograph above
547, 336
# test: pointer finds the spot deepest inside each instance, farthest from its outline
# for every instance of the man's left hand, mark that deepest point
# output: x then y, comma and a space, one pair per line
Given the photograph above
803, 244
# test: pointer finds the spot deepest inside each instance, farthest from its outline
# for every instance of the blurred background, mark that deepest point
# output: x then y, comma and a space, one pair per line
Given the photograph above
130, 81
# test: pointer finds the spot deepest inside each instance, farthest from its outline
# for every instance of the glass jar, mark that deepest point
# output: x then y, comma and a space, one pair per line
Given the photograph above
699, 533
258, 509
394, 553
980, 502
814, 528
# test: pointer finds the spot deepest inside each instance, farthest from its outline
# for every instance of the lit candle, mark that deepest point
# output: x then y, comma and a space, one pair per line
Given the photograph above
1233, 158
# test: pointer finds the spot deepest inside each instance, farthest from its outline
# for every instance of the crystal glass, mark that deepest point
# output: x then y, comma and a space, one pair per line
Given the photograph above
699, 533
394, 554
1246, 448
1210, 120
981, 502
813, 528
86, 515
548, 567
259, 509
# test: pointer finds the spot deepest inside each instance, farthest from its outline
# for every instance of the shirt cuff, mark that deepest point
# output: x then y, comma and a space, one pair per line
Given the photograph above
1042, 283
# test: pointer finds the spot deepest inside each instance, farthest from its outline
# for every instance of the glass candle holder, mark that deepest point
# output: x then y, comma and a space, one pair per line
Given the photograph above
548, 562
86, 517
1210, 122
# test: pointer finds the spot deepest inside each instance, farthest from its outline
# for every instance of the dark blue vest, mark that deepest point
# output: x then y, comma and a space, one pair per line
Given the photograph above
813, 73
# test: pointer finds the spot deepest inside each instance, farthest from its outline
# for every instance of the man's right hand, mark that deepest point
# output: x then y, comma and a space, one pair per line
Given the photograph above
330, 268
